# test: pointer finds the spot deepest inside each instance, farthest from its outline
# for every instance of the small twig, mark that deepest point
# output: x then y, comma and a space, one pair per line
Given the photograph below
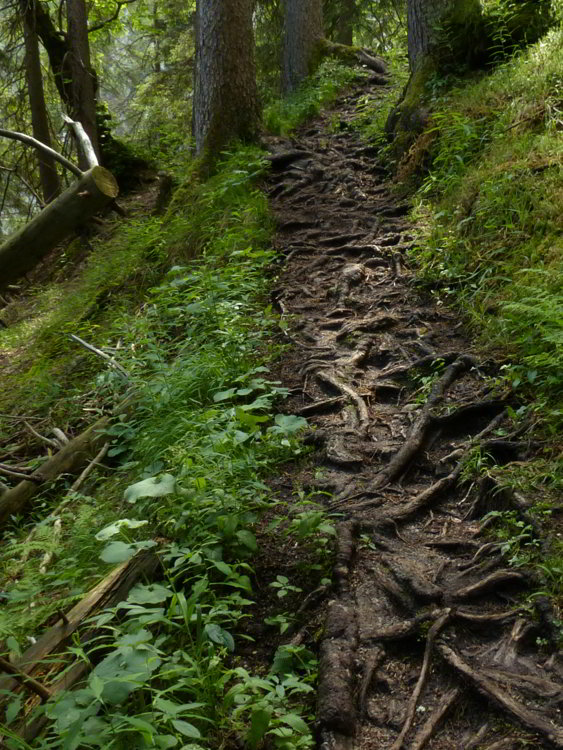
9, 471
46, 440
74, 488
25, 679
110, 360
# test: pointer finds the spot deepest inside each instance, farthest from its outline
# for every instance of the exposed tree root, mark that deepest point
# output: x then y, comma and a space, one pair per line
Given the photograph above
432, 635
433, 722
409, 553
491, 690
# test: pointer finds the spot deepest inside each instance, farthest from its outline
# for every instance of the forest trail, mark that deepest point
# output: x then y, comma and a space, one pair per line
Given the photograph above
429, 640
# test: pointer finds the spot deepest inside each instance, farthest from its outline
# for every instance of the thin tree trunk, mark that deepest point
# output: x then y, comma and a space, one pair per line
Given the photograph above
303, 31
346, 20
83, 90
225, 95
50, 183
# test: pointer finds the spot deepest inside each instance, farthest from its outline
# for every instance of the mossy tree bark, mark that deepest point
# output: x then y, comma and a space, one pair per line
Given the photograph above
303, 30
225, 95
441, 29
23, 249
442, 34
50, 183
84, 83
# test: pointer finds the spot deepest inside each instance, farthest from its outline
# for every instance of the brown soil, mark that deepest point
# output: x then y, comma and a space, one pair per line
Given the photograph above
426, 642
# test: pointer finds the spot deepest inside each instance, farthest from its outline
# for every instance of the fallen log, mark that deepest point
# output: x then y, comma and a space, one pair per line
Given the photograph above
37, 664
94, 190
69, 459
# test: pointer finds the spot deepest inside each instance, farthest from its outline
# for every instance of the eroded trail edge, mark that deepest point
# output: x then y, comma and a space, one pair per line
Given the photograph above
426, 641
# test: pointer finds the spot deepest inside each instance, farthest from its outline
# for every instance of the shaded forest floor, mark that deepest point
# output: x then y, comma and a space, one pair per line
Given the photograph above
431, 637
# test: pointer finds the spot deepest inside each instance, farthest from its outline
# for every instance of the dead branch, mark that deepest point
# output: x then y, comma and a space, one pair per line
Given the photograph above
25, 680
110, 360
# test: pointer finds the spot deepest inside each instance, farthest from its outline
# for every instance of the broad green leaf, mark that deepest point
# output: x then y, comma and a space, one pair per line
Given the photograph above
117, 552
248, 539
224, 395
258, 726
223, 567
295, 722
289, 423
166, 741
115, 528
159, 486
187, 729
152, 593
13, 709
220, 636
167, 707
96, 685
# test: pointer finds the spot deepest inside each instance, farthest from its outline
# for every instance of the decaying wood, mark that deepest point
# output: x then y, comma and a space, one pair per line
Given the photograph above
93, 191
69, 459
109, 592
84, 143
25, 679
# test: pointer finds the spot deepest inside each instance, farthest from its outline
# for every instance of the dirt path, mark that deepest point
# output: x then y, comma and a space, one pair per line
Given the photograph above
427, 642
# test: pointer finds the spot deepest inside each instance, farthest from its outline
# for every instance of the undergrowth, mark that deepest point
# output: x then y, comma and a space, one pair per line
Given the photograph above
188, 464
489, 207
282, 116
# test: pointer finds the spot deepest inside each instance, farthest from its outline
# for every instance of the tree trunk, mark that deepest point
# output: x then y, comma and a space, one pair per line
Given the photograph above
225, 103
50, 183
303, 31
345, 24
83, 89
23, 250
445, 27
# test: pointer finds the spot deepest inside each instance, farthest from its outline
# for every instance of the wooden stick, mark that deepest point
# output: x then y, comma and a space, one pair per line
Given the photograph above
48, 441
25, 679
110, 360
84, 143
29, 141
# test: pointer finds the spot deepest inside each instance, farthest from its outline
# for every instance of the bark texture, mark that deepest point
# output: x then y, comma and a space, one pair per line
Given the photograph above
431, 22
50, 183
23, 250
83, 89
225, 95
345, 23
303, 30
